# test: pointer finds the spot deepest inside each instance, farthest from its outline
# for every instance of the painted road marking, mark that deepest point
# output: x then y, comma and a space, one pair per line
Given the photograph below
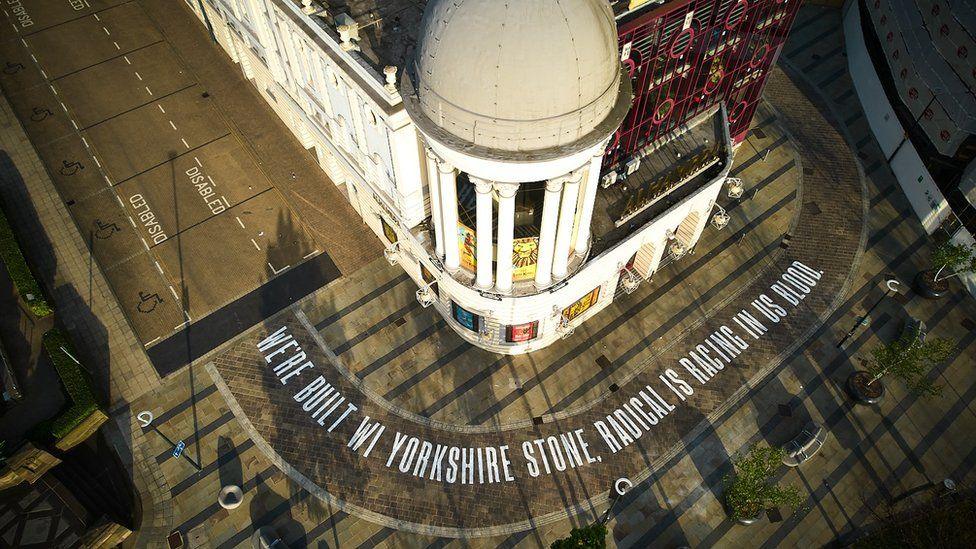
256, 245
197, 160
85, 141
121, 203
239, 222
153, 341
116, 45
34, 58
126, 57
95, 158
139, 76
107, 180
97, 18
44, 74
73, 123
149, 90
173, 290
158, 267
52, 89
277, 271
172, 125
144, 243
310, 255
63, 106
132, 222
106, 31
185, 144
161, 109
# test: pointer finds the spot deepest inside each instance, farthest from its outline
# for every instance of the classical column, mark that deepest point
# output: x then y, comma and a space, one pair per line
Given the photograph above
547, 235
485, 245
589, 200
433, 187
506, 234
564, 231
449, 216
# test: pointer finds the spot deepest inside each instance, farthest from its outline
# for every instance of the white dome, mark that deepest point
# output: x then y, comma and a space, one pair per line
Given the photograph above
530, 78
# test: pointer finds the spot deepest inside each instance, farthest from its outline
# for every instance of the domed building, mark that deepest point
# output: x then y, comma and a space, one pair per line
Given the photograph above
516, 158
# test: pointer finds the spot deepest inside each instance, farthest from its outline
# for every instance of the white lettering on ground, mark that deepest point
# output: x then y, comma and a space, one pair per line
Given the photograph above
148, 218
205, 187
20, 12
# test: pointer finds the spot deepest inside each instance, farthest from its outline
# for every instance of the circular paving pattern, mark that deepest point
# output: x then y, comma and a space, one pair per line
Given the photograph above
307, 411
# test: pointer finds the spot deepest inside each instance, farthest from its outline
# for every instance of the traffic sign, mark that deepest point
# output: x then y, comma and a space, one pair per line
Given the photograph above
178, 451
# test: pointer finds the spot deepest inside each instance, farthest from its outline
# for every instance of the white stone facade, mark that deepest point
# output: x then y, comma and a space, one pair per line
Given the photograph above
402, 181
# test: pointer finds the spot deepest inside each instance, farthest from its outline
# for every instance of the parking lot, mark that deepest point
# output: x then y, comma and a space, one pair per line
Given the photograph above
179, 215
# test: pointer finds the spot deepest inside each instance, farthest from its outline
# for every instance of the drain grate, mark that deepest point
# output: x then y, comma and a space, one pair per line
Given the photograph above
785, 410
759, 133
537, 420
603, 362
614, 387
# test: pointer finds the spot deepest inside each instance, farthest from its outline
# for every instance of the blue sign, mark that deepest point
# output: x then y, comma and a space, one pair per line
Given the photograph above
178, 451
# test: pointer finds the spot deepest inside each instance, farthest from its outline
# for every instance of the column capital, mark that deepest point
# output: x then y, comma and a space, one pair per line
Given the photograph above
431, 154
506, 190
554, 185
482, 186
444, 167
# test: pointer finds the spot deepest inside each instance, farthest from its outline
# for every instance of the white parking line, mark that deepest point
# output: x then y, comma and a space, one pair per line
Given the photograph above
239, 222
85, 141
226, 202
34, 58
97, 163
96, 15
126, 57
161, 109
117, 197
44, 74
151, 342
310, 255
185, 144
63, 106
52, 89
277, 271
117, 45
158, 267
132, 222
139, 76
106, 31
107, 180
256, 245
172, 125
144, 243
149, 90
173, 290
197, 160
73, 123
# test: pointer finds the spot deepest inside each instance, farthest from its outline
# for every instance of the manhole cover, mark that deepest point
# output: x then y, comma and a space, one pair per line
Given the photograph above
785, 410
774, 515
759, 133
399, 322
603, 362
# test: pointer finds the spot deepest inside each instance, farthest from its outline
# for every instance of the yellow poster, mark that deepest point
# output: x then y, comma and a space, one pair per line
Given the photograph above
582, 305
467, 241
525, 258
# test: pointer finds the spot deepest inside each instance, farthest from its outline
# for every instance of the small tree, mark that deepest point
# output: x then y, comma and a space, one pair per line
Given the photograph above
951, 260
909, 358
750, 488
593, 536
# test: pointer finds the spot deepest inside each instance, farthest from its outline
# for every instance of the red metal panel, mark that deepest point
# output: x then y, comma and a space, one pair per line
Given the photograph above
687, 55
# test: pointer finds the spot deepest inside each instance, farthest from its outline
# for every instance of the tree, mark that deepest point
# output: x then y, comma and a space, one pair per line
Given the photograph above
909, 358
751, 488
593, 536
951, 260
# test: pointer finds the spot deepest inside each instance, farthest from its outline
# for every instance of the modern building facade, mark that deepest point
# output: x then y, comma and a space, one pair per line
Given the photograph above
909, 60
525, 162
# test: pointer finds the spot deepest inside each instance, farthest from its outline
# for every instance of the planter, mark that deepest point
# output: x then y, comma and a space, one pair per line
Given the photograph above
750, 520
926, 286
862, 390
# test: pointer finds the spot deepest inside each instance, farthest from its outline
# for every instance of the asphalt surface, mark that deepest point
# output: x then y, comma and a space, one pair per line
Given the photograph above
178, 214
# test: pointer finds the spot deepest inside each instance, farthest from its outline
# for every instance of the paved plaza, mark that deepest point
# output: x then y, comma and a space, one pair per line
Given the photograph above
820, 202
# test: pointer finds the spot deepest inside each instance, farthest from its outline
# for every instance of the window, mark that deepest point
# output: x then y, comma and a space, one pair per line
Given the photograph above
521, 333
388, 231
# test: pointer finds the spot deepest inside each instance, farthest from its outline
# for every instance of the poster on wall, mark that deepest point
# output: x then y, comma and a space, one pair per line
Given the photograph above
388, 231
525, 258
465, 317
582, 305
467, 243
522, 332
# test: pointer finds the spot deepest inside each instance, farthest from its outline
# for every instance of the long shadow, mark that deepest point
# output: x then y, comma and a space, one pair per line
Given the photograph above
94, 472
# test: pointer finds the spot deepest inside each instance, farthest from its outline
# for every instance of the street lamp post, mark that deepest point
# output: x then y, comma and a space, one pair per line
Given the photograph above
621, 487
891, 286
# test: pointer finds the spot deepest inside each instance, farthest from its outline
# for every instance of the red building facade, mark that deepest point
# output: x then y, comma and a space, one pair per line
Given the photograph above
686, 55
